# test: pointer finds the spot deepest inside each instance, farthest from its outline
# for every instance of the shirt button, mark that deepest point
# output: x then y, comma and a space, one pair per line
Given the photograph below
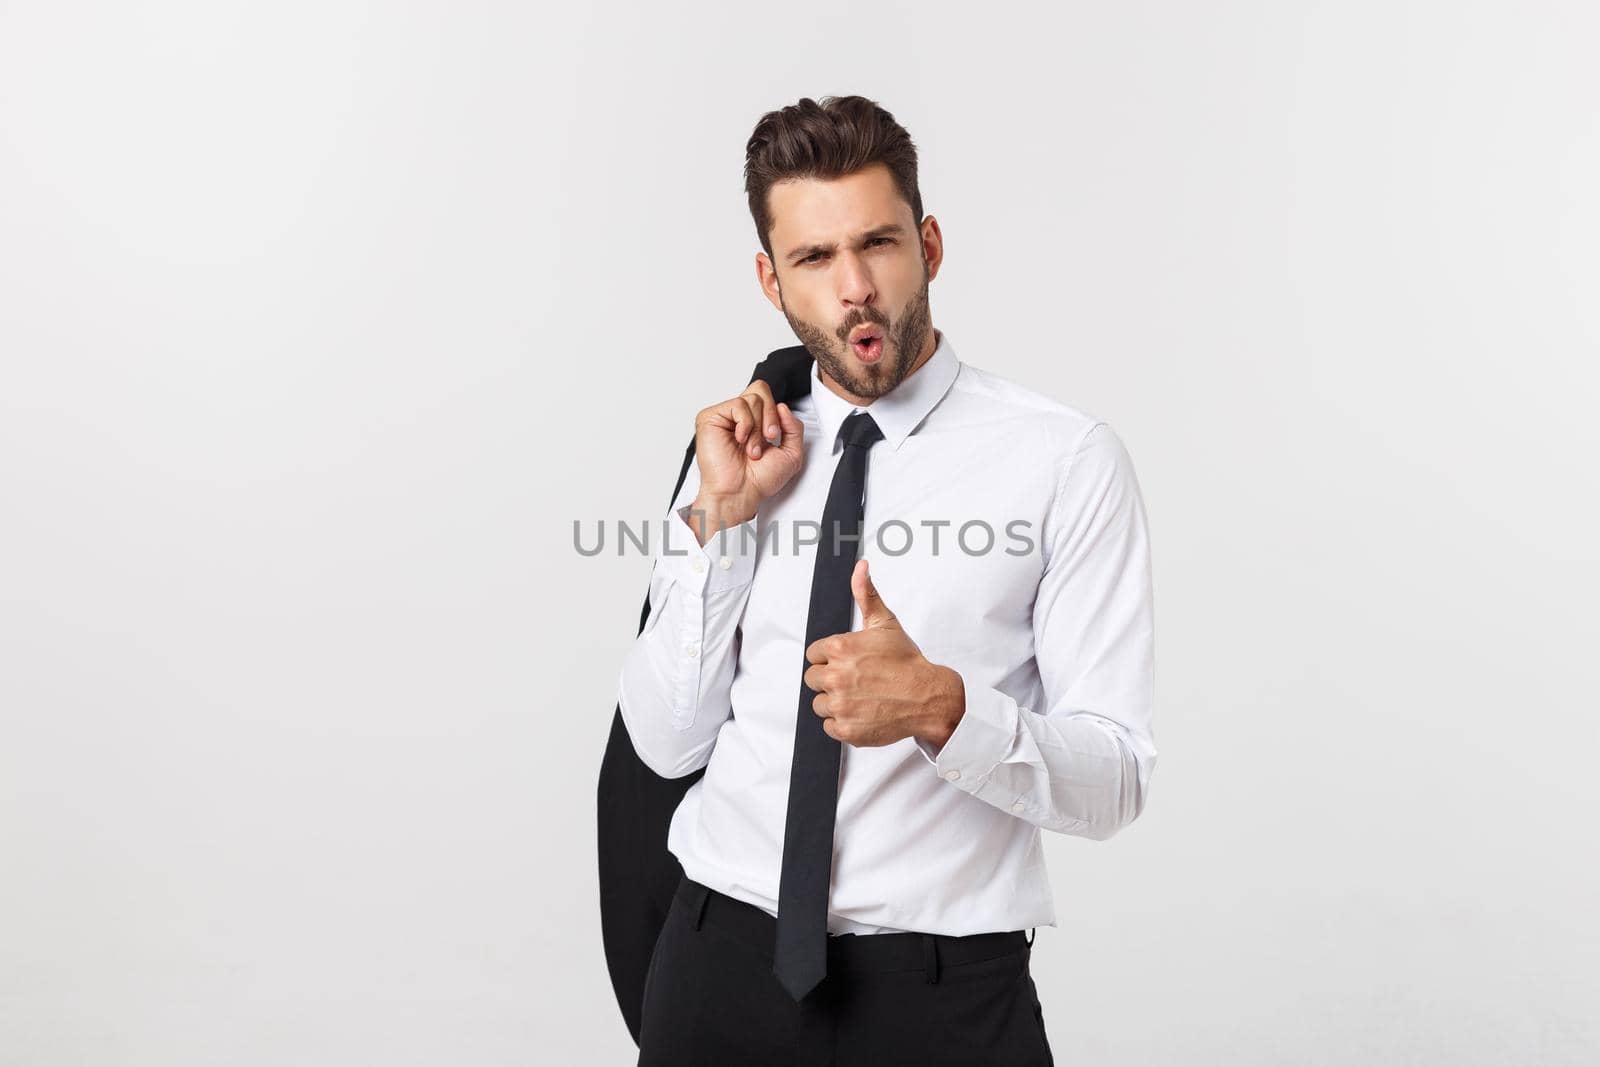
725, 563
1018, 806
951, 776
692, 649
699, 566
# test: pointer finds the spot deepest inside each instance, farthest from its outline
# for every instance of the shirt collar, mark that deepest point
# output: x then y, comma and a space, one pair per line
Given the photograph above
898, 411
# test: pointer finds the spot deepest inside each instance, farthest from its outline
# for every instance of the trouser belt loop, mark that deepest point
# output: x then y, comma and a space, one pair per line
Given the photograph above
1031, 932
701, 898
930, 958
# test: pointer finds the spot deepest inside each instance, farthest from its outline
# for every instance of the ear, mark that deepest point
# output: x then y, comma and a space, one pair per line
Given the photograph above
767, 278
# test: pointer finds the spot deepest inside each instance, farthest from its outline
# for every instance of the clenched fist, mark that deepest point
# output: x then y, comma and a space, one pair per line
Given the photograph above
747, 449
874, 686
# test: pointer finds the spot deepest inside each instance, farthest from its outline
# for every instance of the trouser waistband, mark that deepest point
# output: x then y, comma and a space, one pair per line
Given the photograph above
848, 952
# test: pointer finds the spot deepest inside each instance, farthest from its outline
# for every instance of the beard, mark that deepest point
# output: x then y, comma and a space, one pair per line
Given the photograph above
903, 338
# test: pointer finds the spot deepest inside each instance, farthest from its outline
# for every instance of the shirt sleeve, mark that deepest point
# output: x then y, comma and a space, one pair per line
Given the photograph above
1081, 765
676, 677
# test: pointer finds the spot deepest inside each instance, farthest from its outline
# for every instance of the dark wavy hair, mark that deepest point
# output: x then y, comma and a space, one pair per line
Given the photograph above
826, 140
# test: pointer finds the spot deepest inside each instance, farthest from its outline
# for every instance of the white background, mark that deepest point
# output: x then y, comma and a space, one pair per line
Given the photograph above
321, 323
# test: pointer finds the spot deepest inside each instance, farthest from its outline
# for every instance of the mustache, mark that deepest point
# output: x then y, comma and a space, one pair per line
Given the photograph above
876, 320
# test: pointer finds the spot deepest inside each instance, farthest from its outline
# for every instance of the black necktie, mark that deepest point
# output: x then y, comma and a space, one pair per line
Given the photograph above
800, 954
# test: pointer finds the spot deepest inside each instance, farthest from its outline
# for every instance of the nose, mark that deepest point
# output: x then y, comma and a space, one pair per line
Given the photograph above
854, 281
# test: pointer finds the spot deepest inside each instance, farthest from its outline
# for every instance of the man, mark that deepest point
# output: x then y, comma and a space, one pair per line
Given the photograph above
860, 865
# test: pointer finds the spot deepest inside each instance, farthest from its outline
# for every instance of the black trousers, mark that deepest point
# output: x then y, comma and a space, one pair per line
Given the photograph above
711, 999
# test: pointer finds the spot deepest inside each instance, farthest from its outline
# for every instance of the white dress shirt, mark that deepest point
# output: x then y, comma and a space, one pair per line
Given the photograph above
1051, 630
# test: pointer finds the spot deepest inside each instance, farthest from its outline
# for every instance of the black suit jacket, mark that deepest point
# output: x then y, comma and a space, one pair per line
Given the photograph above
638, 876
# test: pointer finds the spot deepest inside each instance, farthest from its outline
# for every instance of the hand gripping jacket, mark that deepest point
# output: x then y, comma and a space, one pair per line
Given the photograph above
638, 876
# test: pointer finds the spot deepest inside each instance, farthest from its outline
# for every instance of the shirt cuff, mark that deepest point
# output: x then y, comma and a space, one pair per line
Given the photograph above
726, 561
981, 741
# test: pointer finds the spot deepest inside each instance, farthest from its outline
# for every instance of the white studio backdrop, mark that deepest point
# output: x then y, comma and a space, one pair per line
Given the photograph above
320, 324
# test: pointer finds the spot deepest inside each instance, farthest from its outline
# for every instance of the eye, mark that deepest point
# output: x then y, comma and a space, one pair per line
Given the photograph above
823, 255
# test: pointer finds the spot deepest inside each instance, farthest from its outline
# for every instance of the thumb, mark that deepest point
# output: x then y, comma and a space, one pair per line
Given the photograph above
874, 612
790, 426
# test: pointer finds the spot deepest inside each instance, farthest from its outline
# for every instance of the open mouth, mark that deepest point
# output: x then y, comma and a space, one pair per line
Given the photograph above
867, 345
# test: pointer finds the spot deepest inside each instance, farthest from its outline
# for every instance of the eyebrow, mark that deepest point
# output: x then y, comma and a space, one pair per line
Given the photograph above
893, 229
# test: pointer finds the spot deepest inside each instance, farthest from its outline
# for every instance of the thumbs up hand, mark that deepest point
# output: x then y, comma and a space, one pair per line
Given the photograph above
874, 686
